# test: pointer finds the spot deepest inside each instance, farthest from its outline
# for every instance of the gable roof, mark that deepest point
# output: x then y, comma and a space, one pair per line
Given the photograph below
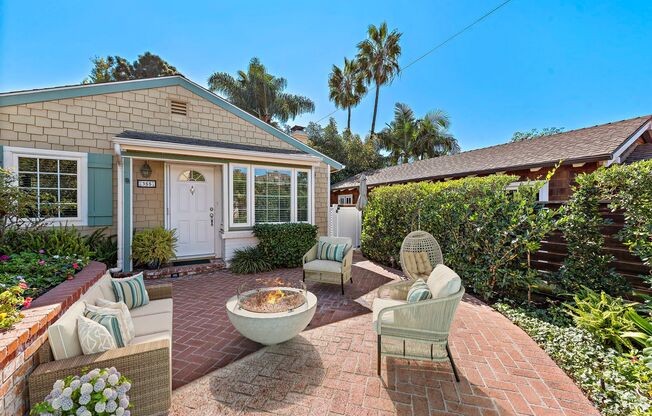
582, 145
83, 90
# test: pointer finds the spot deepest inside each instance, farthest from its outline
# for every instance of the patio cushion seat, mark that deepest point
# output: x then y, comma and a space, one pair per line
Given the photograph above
152, 308
157, 336
380, 304
329, 266
151, 324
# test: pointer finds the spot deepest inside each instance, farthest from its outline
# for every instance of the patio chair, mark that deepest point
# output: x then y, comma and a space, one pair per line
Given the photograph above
328, 271
415, 244
419, 330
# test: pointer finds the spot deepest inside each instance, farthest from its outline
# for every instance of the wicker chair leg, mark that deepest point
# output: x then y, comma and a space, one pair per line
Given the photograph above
379, 356
304, 275
450, 357
342, 282
351, 279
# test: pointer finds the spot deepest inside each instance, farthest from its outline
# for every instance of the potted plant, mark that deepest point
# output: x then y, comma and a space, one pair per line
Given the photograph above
154, 247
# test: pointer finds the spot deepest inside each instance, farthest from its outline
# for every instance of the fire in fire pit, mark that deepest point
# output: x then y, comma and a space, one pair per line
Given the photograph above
271, 296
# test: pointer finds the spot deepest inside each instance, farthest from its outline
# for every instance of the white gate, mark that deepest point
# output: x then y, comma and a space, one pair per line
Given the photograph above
345, 222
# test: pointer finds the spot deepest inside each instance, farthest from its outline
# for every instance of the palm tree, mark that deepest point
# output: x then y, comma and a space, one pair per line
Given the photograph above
398, 137
378, 58
432, 138
347, 87
261, 94
407, 138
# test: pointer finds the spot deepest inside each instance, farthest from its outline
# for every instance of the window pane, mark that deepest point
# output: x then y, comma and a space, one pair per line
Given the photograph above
68, 181
302, 196
239, 183
27, 180
27, 164
48, 165
68, 166
47, 180
272, 195
68, 210
68, 196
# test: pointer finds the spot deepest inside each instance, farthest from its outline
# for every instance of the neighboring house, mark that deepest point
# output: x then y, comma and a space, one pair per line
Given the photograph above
161, 152
582, 150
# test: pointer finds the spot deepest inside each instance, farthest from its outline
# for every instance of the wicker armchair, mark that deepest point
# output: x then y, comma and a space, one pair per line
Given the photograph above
417, 331
418, 242
327, 271
147, 365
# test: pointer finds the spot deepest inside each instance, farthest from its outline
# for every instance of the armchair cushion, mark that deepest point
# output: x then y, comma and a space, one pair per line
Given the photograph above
380, 304
418, 291
331, 251
443, 282
329, 266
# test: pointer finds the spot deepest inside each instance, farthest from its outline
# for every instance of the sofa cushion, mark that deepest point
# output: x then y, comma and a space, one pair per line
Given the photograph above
62, 334
418, 291
323, 266
131, 290
113, 320
122, 307
157, 336
152, 308
93, 337
443, 282
150, 324
380, 304
105, 286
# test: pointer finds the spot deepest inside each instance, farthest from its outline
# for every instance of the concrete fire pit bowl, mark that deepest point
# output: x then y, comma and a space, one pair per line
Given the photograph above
260, 320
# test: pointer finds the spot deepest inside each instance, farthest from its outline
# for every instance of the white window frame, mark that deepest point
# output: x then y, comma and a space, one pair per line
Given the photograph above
249, 223
11, 155
543, 191
251, 203
339, 199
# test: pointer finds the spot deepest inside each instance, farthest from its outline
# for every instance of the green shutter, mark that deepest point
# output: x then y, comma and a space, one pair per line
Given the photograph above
2, 155
100, 189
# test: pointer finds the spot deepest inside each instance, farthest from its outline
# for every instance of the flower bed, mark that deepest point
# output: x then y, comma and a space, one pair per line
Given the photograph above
617, 384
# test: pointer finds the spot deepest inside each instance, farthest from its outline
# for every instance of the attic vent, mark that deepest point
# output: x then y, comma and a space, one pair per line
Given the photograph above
179, 107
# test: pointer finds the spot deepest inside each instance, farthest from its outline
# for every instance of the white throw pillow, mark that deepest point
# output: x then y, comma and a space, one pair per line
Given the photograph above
95, 313
122, 307
443, 282
93, 337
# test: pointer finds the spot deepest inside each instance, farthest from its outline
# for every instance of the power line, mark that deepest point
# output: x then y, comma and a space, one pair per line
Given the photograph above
444, 42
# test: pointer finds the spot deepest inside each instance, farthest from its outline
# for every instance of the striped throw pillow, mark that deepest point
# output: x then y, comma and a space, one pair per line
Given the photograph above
418, 291
131, 291
112, 321
328, 251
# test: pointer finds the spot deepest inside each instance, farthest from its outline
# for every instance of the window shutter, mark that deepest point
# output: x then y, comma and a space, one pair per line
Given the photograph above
100, 189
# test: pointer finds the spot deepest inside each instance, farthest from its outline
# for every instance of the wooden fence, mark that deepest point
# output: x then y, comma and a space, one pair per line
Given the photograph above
554, 250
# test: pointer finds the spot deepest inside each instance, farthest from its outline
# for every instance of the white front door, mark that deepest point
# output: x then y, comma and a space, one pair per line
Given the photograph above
192, 209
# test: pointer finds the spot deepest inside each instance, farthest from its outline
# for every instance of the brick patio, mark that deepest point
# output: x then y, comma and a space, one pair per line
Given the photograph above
330, 368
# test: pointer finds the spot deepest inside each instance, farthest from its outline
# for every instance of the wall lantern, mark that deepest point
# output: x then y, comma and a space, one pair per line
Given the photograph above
146, 170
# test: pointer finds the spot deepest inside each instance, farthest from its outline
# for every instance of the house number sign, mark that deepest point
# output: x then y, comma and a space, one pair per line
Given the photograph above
146, 183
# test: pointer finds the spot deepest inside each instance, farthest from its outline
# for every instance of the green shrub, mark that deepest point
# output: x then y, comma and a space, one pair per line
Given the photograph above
154, 246
55, 241
615, 383
485, 231
249, 260
104, 247
283, 245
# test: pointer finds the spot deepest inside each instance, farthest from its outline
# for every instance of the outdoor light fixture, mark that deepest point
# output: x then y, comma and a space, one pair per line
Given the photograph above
146, 170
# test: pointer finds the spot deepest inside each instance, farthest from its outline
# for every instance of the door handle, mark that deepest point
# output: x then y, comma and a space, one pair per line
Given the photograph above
211, 215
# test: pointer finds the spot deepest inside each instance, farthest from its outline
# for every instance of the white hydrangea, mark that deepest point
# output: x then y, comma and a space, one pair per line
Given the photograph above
55, 393
84, 399
113, 379
66, 403
58, 385
127, 413
67, 392
108, 393
56, 403
85, 378
94, 373
111, 406
124, 401
86, 388
119, 411
100, 407
75, 384
99, 385
80, 410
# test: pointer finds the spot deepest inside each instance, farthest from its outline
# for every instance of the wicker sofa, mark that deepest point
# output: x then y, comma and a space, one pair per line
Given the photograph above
327, 271
146, 360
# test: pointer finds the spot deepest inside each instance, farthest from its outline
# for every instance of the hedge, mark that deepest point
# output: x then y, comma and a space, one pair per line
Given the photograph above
486, 232
283, 245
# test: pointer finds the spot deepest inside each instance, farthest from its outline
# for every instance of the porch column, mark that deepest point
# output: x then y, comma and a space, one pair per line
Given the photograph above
126, 226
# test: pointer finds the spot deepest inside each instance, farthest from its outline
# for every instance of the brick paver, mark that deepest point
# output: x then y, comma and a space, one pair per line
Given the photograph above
329, 369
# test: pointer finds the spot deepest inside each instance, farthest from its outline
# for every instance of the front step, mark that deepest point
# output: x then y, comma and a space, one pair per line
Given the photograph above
180, 271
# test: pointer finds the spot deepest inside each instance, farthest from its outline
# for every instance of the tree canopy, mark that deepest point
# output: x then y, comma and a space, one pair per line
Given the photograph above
117, 68
347, 87
261, 94
519, 136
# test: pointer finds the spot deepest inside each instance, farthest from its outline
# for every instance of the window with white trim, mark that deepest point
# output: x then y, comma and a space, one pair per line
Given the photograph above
264, 194
54, 178
346, 199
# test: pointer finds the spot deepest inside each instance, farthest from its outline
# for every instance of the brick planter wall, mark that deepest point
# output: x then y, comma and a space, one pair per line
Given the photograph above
18, 345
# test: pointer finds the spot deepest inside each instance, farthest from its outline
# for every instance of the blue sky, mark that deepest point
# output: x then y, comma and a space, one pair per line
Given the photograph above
532, 64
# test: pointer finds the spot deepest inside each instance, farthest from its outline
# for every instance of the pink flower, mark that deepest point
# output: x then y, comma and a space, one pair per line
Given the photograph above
28, 301
23, 285
41, 251
41, 262
4, 257
75, 266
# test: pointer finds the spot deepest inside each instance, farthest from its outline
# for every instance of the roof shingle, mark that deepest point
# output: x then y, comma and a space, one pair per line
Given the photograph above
585, 144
